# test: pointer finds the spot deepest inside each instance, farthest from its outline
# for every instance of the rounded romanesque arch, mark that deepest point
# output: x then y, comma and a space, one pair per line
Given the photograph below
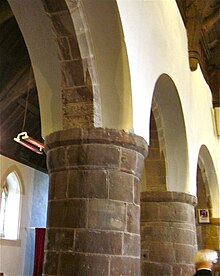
166, 166
207, 209
57, 64
207, 182
167, 210
168, 136
82, 80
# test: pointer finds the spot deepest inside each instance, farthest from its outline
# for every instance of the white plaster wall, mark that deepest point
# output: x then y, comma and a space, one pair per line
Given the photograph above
202, 132
157, 43
13, 253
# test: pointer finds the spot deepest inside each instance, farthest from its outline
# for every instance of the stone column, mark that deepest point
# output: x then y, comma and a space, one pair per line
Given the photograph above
94, 203
168, 233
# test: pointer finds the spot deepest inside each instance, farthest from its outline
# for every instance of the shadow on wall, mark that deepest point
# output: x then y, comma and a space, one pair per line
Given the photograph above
37, 218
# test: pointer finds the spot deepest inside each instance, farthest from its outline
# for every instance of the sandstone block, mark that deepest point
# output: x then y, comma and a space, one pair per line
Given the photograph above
67, 214
93, 155
131, 245
101, 242
184, 253
82, 264
72, 71
58, 185
56, 159
87, 184
133, 218
58, 239
107, 215
153, 269
120, 186
125, 266
167, 254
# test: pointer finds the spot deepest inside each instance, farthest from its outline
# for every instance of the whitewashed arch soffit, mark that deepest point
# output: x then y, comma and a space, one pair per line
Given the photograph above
172, 122
36, 30
56, 60
111, 60
51, 32
205, 161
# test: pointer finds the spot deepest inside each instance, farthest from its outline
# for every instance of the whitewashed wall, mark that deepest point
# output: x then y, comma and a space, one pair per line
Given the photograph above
156, 43
16, 257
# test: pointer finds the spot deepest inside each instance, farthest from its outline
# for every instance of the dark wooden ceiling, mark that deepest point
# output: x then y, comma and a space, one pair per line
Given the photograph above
202, 22
19, 107
19, 104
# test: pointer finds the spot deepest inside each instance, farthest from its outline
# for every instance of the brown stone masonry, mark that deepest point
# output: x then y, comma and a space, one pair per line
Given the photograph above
168, 233
94, 203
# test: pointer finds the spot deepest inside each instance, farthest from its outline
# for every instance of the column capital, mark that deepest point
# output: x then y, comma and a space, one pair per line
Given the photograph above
166, 196
96, 135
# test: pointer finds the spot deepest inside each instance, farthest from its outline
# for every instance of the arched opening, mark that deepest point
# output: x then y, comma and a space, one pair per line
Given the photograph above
77, 74
207, 209
175, 142
168, 141
10, 207
164, 197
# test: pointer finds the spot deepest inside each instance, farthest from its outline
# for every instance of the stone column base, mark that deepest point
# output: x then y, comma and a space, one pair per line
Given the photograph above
168, 233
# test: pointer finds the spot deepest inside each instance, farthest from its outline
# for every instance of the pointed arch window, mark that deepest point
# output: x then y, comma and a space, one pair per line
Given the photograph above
10, 207
4, 198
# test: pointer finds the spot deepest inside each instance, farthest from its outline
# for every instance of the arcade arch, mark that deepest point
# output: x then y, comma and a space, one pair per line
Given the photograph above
76, 73
208, 171
170, 133
208, 200
167, 209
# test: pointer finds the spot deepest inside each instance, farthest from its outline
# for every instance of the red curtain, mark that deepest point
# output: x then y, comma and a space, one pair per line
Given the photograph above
39, 251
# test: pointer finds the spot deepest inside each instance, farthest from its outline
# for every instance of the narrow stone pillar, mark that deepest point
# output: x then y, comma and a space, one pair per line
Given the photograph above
94, 203
168, 233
